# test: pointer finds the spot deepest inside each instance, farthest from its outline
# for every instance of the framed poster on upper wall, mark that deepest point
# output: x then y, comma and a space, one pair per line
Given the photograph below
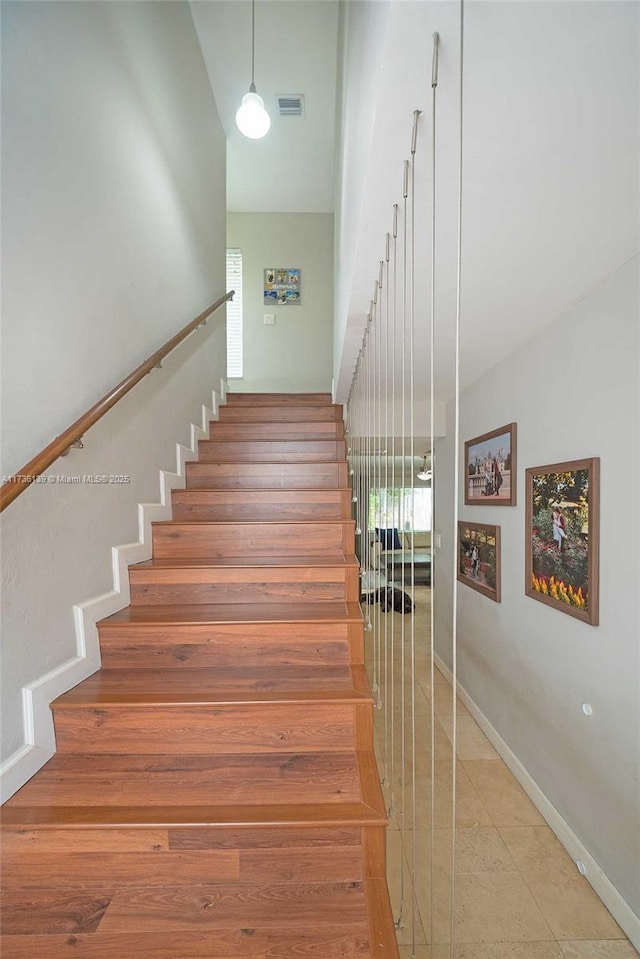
563, 537
282, 286
490, 468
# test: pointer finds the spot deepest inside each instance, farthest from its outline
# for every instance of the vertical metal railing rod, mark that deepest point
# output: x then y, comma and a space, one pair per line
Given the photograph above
432, 624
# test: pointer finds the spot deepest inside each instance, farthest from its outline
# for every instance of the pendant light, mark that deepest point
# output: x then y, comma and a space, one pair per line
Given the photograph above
423, 473
252, 119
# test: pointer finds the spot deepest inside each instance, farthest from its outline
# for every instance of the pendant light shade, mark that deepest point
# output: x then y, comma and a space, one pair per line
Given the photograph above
252, 119
423, 473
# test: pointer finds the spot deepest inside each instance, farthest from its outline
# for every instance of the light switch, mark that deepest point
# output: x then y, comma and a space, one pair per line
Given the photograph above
269, 319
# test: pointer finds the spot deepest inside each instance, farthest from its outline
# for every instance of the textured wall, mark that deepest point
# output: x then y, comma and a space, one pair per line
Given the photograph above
113, 238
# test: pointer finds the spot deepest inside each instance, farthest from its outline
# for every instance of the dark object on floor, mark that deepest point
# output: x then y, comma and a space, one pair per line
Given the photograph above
391, 598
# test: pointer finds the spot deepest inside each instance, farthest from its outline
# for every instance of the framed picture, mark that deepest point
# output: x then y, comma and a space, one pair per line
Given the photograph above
490, 468
282, 286
562, 537
479, 558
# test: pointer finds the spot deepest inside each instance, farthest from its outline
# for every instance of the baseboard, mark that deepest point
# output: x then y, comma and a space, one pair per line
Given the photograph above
39, 737
617, 905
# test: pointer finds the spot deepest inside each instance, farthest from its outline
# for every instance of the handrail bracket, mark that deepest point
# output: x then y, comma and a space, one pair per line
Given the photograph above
77, 445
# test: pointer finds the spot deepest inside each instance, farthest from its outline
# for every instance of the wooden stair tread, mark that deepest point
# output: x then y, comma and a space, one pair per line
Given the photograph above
238, 475
231, 685
280, 412
78, 780
267, 399
252, 920
205, 614
215, 793
236, 815
325, 941
254, 522
262, 492
263, 444
272, 789
290, 560
276, 430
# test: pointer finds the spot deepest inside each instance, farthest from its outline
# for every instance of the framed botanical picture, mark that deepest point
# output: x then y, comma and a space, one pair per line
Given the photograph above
490, 468
479, 558
562, 537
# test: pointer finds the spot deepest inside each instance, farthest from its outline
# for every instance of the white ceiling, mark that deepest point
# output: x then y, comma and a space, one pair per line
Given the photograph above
292, 169
550, 153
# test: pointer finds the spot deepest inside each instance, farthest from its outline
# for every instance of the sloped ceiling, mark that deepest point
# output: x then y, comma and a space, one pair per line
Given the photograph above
292, 169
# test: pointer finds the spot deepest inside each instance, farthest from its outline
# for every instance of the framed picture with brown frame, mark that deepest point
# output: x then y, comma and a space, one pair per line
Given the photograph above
490, 468
563, 537
479, 558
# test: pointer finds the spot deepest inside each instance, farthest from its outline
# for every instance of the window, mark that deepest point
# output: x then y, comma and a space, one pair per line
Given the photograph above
405, 509
234, 314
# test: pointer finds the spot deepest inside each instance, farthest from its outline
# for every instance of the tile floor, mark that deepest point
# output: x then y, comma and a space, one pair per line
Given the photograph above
518, 895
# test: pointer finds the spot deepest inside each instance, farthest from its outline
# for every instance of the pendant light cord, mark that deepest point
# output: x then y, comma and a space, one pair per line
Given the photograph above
253, 45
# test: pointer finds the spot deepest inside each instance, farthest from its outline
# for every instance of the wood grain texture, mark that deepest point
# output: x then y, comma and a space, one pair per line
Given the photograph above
120, 869
30, 843
270, 905
215, 793
315, 614
279, 413
374, 845
334, 942
29, 912
261, 505
318, 864
250, 476
137, 645
205, 730
279, 399
196, 780
160, 582
382, 939
243, 944
332, 538
237, 684
248, 838
270, 451
301, 430
178, 816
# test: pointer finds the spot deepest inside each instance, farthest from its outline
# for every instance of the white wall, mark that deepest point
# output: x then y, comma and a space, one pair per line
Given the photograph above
362, 29
573, 391
113, 238
295, 354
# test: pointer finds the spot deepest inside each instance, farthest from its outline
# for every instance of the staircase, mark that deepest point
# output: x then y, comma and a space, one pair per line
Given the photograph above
215, 793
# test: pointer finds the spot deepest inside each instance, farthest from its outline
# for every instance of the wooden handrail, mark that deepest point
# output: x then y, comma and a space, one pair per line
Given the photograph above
20, 481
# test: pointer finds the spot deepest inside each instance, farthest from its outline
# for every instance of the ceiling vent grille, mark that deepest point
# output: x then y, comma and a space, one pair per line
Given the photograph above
291, 105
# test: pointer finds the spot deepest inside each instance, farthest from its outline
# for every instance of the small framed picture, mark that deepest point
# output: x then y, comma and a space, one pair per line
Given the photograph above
479, 558
562, 537
282, 286
490, 468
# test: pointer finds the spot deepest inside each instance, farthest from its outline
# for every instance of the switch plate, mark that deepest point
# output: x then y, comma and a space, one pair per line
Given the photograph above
269, 319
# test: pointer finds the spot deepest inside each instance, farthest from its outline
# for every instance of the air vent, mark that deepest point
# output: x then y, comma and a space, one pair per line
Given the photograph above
291, 105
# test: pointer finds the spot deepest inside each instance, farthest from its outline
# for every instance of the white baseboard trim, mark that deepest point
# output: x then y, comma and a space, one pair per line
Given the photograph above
617, 905
39, 737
